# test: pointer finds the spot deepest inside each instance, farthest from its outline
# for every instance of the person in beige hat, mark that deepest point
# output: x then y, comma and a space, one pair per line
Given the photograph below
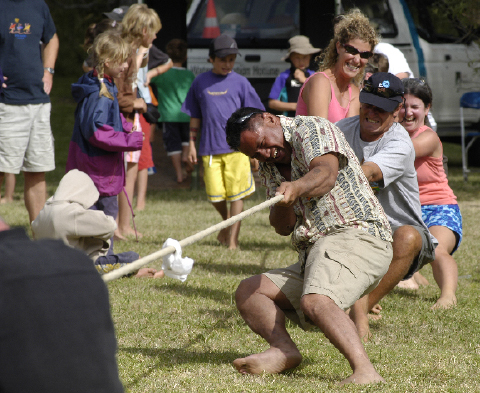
284, 93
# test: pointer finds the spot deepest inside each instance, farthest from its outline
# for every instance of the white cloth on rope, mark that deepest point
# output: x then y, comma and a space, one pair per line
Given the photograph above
174, 266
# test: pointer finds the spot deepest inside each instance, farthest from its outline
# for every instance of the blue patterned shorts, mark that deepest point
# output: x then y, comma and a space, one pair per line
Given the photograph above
446, 216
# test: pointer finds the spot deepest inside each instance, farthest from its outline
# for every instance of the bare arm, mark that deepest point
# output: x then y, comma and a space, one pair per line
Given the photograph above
317, 95
281, 106
317, 182
427, 144
50, 53
158, 70
195, 124
142, 57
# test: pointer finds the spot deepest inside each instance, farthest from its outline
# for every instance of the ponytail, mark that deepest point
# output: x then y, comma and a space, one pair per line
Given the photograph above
108, 47
103, 87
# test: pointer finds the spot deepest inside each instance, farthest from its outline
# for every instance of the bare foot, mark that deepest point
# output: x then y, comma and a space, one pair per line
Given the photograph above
140, 206
272, 361
129, 232
363, 378
118, 236
6, 200
374, 317
233, 245
146, 272
444, 303
420, 280
224, 236
408, 284
376, 309
159, 274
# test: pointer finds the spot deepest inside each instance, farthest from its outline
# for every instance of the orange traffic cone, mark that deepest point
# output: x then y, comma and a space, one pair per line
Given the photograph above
211, 29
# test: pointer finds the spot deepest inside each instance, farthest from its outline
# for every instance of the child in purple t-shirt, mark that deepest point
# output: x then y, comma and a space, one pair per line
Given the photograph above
213, 97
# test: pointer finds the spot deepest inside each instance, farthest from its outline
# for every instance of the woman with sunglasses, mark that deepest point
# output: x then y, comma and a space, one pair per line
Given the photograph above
440, 210
332, 93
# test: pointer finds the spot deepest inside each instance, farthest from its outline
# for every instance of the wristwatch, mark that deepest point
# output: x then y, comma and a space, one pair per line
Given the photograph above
51, 70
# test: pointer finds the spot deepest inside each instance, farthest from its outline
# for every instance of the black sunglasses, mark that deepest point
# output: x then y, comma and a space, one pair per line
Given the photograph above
381, 91
354, 51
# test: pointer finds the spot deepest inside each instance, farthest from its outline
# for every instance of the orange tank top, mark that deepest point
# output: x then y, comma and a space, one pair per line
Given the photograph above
432, 180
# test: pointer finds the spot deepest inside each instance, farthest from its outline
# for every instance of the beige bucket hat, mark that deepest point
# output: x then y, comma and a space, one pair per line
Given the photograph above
300, 44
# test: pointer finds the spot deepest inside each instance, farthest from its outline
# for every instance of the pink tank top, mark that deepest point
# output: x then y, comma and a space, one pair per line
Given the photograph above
335, 111
432, 180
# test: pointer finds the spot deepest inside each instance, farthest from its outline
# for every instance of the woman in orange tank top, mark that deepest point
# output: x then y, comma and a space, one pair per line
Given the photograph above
440, 210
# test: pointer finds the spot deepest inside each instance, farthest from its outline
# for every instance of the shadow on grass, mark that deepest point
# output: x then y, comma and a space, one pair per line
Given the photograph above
166, 359
228, 269
414, 295
249, 245
195, 292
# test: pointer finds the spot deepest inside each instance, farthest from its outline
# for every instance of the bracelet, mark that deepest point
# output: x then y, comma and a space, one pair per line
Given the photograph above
193, 138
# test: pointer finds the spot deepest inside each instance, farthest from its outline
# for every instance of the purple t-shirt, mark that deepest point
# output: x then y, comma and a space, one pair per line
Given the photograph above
213, 98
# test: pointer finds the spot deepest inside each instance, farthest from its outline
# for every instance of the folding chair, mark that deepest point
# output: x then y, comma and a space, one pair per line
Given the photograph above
468, 100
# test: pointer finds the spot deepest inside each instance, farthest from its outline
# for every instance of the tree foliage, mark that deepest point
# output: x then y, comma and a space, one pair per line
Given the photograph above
72, 18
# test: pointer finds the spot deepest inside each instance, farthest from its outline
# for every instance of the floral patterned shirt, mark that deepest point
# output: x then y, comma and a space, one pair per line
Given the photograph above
351, 203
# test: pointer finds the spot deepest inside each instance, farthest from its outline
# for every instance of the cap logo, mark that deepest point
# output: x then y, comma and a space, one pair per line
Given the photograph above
118, 11
385, 84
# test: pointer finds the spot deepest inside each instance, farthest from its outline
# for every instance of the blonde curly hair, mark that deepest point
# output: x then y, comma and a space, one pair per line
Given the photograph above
352, 25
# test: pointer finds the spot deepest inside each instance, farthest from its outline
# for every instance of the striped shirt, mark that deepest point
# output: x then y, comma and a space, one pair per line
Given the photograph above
351, 202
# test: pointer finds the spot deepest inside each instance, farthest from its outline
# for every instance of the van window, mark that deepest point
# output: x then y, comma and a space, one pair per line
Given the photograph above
437, 23
379, 13
253, 23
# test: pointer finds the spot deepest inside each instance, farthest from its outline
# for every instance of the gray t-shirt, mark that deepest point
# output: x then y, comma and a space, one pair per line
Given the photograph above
394, 154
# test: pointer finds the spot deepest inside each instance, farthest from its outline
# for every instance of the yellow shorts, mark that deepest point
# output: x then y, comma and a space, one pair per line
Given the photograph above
228, 177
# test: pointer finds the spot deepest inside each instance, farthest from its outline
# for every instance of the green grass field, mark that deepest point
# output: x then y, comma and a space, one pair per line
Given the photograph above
183, 337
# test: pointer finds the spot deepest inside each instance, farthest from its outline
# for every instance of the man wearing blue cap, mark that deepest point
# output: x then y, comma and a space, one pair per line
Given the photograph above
386, 153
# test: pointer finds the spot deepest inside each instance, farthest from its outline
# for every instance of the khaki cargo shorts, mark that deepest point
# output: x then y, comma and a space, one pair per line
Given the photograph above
345, 265
26, 139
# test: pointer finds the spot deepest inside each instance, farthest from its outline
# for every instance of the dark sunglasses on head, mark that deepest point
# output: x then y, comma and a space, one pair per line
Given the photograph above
242, 119
381, 91
354, 51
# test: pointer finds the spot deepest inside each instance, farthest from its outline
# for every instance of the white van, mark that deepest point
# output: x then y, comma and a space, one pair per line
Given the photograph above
432, 44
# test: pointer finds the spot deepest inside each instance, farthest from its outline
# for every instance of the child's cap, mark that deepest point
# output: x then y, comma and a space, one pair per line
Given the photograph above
117, 13
223, 46
300, 44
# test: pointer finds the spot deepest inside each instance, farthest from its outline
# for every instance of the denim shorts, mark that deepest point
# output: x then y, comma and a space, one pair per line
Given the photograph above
447, 216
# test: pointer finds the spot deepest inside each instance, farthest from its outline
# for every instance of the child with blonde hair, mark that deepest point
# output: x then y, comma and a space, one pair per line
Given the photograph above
101, 133
140, 27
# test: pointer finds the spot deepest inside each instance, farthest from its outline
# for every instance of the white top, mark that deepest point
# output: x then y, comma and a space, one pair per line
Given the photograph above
397, 62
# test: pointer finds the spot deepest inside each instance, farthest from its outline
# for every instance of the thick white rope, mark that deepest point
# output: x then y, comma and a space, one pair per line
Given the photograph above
131, 267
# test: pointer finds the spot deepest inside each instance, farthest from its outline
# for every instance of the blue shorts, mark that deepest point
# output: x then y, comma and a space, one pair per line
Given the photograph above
446, 216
